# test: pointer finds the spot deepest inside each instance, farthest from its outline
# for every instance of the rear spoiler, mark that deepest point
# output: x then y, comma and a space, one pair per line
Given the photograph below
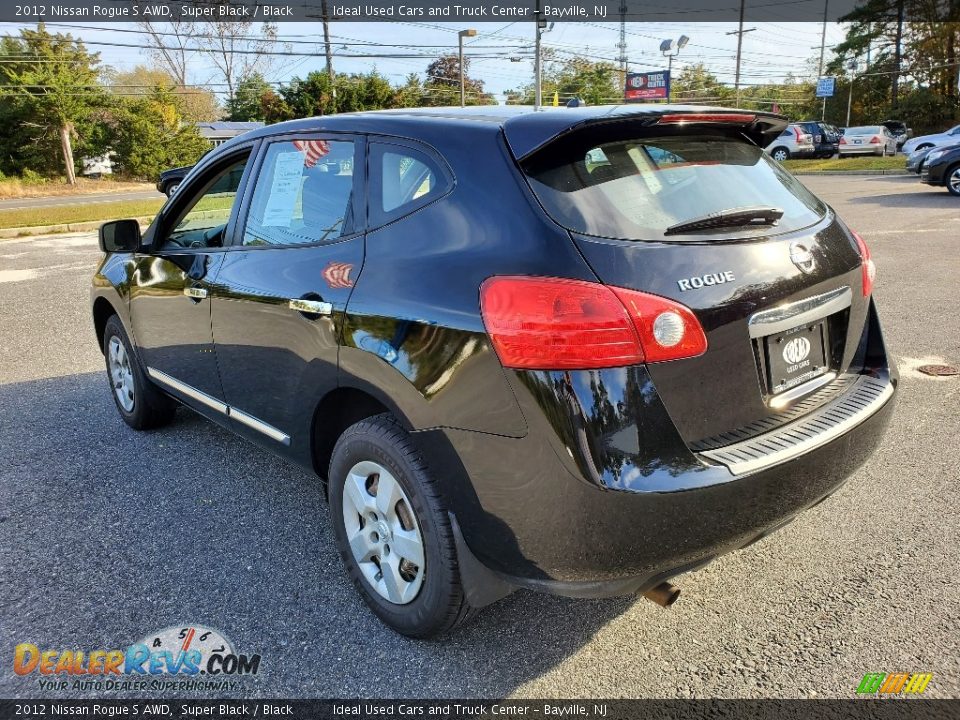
531, 131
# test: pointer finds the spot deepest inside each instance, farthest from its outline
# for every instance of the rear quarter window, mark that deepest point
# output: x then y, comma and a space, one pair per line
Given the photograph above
634, 188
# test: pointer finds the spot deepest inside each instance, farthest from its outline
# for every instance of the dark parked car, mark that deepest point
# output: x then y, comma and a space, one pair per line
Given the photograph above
580, 351
942, 167
170, 180
826, 138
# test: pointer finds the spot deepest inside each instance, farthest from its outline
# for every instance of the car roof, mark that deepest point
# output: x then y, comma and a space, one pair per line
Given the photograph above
526, 129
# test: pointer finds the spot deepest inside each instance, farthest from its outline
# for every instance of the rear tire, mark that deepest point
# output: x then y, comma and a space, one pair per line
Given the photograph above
952, 180
141, 404
381, 494
780, 154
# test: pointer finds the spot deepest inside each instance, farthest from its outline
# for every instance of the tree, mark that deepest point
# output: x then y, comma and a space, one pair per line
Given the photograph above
55, 84
695, 84
149, 135
443, 84
247, 102
596, 83
198, 104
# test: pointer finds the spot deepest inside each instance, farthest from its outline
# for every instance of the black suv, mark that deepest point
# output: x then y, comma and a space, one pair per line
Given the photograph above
826, 138
580, 351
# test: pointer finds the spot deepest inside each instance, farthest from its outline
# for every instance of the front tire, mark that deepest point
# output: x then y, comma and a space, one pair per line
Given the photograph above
140, 403
952, 180
393, 532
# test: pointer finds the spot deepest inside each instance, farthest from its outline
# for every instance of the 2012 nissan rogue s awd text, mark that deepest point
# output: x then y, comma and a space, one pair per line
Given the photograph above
580, 350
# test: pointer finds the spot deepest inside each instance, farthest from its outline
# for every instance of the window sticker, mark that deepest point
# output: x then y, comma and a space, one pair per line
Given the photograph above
285, 190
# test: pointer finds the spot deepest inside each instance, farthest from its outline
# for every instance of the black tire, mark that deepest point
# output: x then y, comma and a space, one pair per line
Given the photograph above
782, 151
170, 189
440, 604
151, 407
953, 189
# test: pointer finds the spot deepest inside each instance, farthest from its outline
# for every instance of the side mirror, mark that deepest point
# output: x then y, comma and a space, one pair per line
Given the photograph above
120, 236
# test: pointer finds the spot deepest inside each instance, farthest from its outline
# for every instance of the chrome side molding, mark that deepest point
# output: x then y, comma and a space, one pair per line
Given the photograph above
197, 293
811, 309
221, 407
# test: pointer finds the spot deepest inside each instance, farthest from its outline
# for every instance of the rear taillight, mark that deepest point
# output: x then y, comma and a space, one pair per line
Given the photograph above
868, 269
874, 140
557, 324
843, 140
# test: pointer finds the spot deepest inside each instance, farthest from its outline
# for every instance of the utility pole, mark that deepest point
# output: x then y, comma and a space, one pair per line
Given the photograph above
328, 50
622, 45
739, 33
463, 83
898, 55
823, 39
537, 69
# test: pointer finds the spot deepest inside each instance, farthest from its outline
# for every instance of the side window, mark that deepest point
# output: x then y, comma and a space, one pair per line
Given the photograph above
203, 223
303, 194
402, 179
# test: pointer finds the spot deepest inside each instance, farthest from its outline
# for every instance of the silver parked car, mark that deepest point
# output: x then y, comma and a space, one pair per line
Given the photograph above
793, 142
947, 137
868, 140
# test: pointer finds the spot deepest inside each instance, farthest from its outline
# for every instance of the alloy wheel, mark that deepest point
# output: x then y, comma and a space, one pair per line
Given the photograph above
954, 181
383, 532
121, 374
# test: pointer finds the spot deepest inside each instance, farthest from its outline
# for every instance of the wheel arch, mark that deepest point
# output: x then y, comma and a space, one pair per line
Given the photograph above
337, 410
103, 310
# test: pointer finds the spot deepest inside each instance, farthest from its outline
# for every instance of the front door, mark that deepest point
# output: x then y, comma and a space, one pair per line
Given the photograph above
282, 289
170, 287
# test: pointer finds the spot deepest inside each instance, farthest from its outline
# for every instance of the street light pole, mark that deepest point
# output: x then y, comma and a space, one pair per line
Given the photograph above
463, 86
667, 48
852, 66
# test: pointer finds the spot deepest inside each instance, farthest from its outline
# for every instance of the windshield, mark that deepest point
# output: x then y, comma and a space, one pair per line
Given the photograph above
638, 188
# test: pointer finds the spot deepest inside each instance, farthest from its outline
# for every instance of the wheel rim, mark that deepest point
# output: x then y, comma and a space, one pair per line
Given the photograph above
780, 155
383, 532
121, 375
174, 188
954, 181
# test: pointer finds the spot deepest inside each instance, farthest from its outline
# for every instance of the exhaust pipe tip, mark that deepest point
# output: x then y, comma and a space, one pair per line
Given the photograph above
663, 594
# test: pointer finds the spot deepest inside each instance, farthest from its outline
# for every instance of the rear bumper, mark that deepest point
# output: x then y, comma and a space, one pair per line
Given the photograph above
861, 150
574, 510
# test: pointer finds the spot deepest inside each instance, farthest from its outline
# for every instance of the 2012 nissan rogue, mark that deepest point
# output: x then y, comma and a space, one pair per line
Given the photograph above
580, 350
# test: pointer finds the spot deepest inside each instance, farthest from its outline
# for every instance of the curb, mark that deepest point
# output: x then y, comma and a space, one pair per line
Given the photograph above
21, 232
852, 172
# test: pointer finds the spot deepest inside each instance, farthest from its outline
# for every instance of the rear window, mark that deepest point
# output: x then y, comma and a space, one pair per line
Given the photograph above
638, 187
865, 130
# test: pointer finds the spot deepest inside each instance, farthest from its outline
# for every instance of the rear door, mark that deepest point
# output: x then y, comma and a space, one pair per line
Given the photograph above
755, 289
282, 288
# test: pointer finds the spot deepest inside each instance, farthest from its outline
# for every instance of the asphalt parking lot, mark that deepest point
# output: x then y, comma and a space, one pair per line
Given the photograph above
107, 534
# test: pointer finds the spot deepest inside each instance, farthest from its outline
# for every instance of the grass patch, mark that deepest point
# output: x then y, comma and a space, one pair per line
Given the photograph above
66, 214
37, 186
866, 162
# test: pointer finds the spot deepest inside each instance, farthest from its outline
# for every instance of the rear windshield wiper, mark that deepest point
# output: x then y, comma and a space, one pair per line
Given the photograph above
735, 217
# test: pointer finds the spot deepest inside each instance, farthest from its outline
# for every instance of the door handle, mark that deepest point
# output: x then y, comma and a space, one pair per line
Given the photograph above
197, 293
311, 307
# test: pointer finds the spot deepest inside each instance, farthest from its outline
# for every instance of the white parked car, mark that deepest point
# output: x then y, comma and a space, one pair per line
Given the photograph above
867, 140
947, 137
793, 142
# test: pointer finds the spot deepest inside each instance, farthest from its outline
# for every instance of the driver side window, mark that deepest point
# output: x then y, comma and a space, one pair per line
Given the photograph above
203, 223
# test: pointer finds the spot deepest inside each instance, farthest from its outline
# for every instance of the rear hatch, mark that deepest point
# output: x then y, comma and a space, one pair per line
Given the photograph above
771, 274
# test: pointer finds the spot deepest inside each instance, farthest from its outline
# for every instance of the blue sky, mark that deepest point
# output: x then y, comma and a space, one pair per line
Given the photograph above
773, 50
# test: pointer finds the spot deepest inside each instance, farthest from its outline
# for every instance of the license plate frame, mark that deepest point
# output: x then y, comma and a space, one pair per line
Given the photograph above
790, 363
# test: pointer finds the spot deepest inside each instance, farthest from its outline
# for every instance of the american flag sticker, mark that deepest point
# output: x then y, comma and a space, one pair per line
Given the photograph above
314, 150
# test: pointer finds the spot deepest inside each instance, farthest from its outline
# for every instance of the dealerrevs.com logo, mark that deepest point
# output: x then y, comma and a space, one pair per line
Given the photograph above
175, 658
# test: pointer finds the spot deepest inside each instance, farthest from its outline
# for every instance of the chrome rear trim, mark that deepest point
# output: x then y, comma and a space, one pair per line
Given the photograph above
865, 397
801, 312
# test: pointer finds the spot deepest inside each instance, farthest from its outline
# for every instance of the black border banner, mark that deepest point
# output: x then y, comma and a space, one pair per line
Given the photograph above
855, 709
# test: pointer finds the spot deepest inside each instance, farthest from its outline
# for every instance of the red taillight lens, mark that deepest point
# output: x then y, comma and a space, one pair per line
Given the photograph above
557, 324
874, 140
867, 267
843, 141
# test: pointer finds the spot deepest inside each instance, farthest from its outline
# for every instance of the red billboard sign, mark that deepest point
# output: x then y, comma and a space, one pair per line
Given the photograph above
647, 86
